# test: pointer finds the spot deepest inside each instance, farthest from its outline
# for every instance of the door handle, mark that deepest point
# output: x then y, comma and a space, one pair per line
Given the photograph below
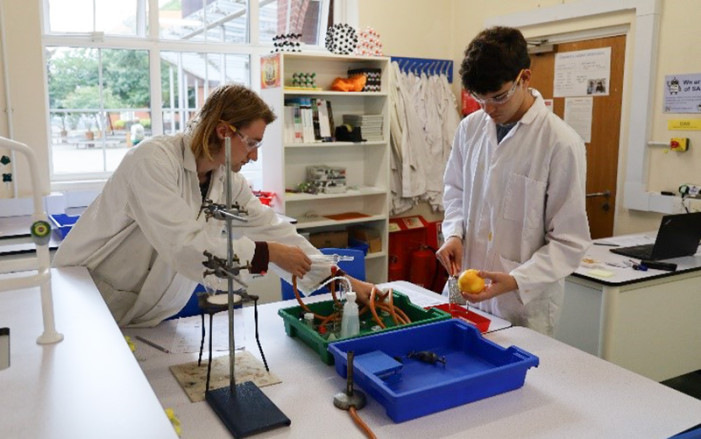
605, 194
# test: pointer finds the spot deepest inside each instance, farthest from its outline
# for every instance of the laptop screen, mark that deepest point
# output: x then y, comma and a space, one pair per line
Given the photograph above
679, 235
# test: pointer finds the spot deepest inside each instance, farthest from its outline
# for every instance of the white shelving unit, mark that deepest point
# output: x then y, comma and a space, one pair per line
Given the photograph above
366, 163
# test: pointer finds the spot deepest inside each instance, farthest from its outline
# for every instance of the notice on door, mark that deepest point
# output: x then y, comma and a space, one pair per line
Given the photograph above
582, 73
579, 115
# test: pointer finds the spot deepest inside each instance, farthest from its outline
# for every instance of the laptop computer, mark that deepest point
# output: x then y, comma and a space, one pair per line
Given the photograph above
679, 235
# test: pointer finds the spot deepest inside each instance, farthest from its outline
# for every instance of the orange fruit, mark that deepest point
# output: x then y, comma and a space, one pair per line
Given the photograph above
470, 281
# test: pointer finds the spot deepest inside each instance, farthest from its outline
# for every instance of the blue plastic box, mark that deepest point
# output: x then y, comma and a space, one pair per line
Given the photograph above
359, 245
63, 223
386, 367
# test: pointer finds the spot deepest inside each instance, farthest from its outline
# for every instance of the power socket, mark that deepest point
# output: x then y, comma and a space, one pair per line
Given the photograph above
690, 191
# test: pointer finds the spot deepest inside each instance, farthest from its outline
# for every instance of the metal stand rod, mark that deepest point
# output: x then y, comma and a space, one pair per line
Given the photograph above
230, 216
349, 373
244, 409
230, 262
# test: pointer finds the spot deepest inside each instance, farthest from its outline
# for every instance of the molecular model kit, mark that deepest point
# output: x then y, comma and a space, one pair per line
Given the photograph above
369, 43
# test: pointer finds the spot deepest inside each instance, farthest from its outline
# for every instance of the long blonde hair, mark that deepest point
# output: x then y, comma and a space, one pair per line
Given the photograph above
233, 103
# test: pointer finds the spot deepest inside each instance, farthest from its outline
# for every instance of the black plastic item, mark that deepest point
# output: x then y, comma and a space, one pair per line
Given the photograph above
4, 348
247, 411
374, 78
347, 133
667, 266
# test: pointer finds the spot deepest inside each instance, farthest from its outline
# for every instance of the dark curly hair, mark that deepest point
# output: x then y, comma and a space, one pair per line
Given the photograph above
495, 56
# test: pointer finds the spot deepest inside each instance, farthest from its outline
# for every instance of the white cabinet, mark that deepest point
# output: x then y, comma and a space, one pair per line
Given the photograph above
366, 163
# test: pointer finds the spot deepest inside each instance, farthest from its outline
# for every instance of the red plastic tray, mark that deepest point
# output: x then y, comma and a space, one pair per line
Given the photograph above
460, 312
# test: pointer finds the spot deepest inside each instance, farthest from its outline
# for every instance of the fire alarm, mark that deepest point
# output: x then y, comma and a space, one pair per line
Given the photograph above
679, 144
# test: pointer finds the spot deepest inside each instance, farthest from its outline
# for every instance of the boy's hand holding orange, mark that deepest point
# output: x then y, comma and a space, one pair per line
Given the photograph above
470, 282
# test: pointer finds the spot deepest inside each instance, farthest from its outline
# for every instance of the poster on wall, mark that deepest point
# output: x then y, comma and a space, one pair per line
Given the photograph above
270, 71
682, 93
582, 73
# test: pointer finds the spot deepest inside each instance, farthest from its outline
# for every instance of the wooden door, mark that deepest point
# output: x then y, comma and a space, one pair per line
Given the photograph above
602, 151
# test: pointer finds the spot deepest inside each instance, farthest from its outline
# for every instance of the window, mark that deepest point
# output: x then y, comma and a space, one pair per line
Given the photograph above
118, 71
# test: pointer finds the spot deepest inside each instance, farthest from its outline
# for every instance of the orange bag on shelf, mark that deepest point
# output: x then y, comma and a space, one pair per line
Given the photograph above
354, 83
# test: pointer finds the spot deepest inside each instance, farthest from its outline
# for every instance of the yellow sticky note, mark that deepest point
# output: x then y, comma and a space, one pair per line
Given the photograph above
601, 273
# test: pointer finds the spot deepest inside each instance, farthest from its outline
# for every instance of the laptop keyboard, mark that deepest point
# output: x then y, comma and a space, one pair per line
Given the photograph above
637, 251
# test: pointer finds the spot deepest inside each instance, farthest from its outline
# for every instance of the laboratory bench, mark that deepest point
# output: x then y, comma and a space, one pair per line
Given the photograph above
16, 246
644, 321
18, 227
88, 385
91, 384
570, 394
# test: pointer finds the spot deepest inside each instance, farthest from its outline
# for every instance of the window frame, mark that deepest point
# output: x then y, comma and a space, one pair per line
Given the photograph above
153, 44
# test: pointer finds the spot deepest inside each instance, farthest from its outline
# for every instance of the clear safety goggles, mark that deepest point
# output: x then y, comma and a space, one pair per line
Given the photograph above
502, 98
251, 144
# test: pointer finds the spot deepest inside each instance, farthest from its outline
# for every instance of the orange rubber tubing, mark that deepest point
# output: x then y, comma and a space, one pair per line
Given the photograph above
360, 423
391, 309
371, 304
304, 305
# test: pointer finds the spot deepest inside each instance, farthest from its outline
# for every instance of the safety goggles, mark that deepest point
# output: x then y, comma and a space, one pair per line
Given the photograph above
251, 144
502, 98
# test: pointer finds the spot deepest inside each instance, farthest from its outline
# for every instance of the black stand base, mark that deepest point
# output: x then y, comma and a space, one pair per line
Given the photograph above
248, 411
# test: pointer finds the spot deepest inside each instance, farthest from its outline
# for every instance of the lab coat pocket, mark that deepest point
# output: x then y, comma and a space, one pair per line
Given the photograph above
524, 201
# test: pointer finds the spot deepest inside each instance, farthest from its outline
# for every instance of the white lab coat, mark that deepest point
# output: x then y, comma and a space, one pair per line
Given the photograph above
413, 146
398, 141
520, 208
440, 127
143, 238
423, 119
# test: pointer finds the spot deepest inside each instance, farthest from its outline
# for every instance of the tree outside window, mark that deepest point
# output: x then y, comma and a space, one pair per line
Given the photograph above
101, 58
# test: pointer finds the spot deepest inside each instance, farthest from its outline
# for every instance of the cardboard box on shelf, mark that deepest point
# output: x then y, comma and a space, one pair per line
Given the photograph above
369, 235
334, 239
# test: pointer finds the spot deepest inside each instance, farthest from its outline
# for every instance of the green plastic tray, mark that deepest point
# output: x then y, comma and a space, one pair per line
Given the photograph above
295, 326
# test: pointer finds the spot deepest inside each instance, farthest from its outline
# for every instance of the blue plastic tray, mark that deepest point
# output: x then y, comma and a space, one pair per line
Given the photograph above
385, 367
63, 223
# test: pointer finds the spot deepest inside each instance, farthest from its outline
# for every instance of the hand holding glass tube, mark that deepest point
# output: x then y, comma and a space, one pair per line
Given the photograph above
330, 259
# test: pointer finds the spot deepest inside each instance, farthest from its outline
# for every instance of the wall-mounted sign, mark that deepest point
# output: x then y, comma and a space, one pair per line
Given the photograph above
684, 124
270, 71
682, 93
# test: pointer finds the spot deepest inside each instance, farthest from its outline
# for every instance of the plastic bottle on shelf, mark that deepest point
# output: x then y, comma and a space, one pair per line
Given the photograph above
350, 324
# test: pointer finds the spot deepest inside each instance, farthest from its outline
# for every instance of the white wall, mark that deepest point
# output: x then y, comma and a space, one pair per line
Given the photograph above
25, 72
680, 52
